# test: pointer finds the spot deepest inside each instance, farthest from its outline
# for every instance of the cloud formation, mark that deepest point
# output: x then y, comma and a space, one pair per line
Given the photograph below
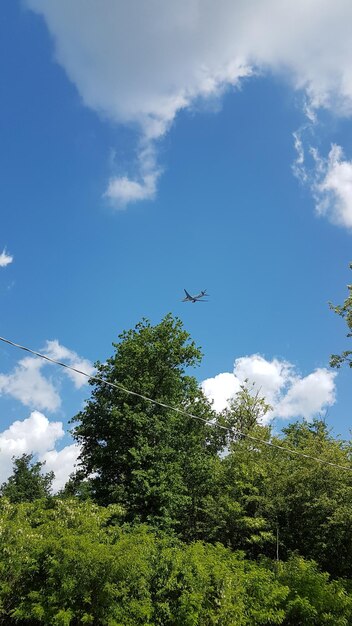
28, 384
332, 187
5, 258
289, 394
62, 463
329, 180
140, 63
56, 351
123, 190
38, 436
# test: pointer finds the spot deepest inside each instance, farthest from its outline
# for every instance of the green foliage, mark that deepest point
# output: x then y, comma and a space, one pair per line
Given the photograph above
154, 461
269, 500
310, 502
66, 562
240, 514
345, 311
201, 584
172, 472
163, 477
27, 482
313, 599
246, 411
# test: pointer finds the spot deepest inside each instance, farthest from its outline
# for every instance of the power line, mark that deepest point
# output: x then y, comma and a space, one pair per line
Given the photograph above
174, 408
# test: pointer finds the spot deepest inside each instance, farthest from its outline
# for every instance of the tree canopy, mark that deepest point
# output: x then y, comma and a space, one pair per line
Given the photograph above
345, 311
157, 463
179, 517
28, 482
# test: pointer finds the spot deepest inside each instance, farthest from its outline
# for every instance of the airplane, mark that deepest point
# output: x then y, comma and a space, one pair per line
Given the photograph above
196, 298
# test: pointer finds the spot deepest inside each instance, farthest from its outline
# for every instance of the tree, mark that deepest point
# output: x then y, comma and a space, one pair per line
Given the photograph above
313, 599
246, 411
310, 502
27, 482
236, 514
157, 463
345, 311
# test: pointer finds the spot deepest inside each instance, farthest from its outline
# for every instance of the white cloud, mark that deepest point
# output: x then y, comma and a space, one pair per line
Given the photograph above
142, 62
56, 351
333, 187
62, 463
299, 167
308, 396
35, 434
123, 190
220, 389
329, 180
5, 258
270, 377
27, 384
289, 394
38, 436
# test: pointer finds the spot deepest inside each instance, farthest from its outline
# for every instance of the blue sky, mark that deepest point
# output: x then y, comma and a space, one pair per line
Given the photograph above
144, 153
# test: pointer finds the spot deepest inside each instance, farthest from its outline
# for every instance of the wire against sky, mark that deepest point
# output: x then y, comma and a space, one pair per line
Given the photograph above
176, 409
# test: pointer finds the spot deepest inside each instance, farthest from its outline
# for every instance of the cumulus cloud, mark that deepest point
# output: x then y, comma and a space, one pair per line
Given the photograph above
289, 394
62, 463
140, 63
308, 396
28, 384
220, 389
35, 434
38, 436
5, 258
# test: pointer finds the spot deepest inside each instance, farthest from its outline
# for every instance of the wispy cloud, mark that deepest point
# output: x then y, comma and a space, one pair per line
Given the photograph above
289, 394
329, 179
124, 190
332, 187
5, 258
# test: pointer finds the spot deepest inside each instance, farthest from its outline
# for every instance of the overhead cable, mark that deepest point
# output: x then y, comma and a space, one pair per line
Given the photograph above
174, 408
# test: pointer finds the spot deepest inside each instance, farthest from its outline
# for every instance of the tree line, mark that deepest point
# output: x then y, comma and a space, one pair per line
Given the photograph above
172, 520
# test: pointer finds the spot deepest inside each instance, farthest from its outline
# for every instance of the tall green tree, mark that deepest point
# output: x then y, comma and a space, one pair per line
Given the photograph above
237, 512
345, 311
28, 482
310, 503
158, 463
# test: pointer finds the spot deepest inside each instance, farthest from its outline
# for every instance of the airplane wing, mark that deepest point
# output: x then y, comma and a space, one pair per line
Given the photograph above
188, 295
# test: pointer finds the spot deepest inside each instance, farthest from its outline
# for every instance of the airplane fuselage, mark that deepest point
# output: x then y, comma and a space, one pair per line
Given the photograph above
197, 298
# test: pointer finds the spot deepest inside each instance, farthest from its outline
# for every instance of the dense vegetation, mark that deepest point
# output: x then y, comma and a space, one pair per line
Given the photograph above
173, 520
